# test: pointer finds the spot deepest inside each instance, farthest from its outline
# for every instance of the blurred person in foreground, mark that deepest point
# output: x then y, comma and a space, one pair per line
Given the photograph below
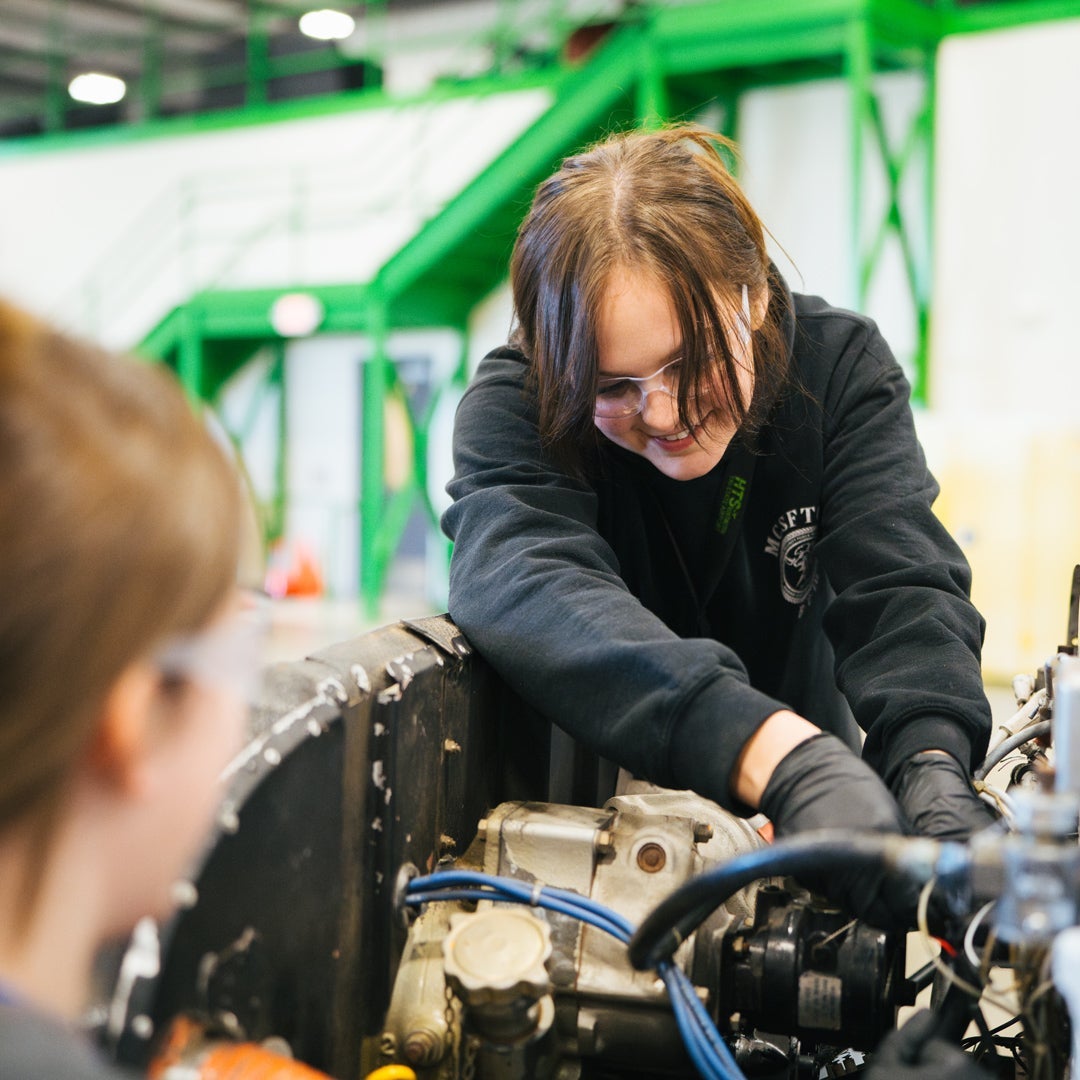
124, 649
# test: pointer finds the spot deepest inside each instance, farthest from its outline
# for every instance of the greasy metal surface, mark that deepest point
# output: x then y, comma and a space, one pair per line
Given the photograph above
628, 856
373, 753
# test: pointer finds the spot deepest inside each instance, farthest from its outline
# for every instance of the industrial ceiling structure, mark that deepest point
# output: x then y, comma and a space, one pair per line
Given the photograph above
176, 57
622, 62
183, 57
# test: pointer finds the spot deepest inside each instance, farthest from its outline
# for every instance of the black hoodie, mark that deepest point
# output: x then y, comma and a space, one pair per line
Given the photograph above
661, 622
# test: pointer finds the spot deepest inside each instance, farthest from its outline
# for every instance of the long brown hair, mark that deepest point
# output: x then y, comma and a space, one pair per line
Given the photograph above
666, 203
119, 528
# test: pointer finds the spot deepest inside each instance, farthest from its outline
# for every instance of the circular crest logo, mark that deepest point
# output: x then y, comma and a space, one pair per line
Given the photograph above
798, 568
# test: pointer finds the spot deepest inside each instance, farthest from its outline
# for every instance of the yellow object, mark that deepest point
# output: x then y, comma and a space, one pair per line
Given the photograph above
392, 1072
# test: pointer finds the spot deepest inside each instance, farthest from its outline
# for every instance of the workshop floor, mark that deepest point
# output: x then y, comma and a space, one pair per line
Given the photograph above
300, 626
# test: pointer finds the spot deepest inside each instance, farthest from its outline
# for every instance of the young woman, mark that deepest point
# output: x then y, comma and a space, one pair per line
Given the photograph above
123, 648
693, 524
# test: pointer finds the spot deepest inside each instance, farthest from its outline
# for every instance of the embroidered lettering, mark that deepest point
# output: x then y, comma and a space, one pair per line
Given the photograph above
731, 503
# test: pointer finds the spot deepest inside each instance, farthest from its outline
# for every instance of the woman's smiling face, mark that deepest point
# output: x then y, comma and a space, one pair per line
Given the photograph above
637, 334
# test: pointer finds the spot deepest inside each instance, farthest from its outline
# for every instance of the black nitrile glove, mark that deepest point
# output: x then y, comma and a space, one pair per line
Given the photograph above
935, 794
822, 784
915, 1052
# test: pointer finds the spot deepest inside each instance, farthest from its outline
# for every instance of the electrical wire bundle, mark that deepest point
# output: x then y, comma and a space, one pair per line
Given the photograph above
707, 1050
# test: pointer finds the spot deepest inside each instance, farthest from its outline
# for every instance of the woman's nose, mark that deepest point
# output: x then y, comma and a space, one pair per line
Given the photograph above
660, 410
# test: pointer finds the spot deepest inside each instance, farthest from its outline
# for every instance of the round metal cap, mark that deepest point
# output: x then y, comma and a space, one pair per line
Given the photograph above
497, 956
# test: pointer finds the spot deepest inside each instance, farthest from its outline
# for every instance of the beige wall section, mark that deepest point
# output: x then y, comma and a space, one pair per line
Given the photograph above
1011, 497
1005, 391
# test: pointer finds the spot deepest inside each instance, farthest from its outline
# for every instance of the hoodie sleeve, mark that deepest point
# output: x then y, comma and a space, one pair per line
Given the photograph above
906, 636
537, 590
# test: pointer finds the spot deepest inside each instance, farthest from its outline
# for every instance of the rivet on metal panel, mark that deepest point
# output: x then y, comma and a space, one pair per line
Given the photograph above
400, 670
228, 818
360, 677
184, 895
332, 690
651, 857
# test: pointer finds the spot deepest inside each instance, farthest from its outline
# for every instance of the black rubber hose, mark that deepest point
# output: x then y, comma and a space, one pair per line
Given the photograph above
1007, 746
669, 924
922, 978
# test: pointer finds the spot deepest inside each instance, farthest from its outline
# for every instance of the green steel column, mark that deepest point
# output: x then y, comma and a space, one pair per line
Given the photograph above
189, 366
372, 457
728, 98
867, 241
150, 80
461, 372
275, 526
56, 90
258, 59
653, 107
921, 385
375, 22
859, 71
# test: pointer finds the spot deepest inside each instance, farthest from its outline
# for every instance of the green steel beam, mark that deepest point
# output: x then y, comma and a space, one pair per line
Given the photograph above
868, 240
275, 112
582, 100
1004, 14
375, 379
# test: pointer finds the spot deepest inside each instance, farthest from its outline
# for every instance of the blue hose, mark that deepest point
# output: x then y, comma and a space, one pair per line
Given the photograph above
707, 1050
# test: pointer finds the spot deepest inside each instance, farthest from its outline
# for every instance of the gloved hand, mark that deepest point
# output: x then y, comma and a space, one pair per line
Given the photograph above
914, 1052
935, 794
822, 784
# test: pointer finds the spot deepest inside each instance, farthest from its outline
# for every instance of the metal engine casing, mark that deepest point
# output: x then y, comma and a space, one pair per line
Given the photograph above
628, 856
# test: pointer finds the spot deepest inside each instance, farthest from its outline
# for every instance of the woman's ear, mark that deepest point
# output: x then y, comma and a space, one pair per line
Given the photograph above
125, 735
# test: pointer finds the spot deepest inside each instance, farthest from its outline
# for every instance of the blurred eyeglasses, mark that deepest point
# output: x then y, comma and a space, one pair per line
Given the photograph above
227, 656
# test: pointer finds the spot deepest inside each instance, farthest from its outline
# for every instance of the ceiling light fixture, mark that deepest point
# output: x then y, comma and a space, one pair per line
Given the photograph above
94, 88
327, 24
296, 314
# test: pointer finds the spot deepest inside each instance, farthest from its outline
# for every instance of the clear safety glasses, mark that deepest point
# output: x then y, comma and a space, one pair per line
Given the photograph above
622, 396
228, 656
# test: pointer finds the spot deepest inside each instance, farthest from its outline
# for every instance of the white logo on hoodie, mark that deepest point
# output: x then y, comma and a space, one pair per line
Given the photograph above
791, 540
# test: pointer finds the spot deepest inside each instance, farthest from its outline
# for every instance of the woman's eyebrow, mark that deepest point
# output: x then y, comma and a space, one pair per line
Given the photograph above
675, 354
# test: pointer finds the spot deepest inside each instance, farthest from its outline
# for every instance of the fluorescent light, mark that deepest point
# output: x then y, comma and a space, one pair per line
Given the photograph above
327, 24
94, 88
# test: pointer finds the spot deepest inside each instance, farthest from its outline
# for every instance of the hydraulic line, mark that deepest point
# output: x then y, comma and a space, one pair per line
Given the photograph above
669, 924
1007, 746
706, 1048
